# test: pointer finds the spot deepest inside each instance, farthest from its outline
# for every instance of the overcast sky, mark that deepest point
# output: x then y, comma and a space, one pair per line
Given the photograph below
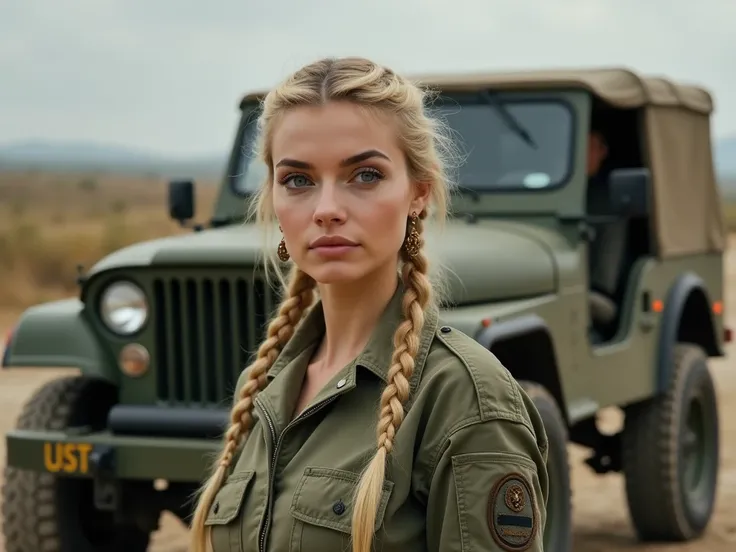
166, 75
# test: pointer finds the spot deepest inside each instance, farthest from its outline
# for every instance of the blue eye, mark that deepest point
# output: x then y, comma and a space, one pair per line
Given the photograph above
368, 176
295, 180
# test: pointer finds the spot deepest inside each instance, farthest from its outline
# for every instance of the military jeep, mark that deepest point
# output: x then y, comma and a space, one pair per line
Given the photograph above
617, 302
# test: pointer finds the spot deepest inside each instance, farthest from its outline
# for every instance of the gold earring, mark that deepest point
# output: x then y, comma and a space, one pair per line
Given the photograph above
282, 251
412, 241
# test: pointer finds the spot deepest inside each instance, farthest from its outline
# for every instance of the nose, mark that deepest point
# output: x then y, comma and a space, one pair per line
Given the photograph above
329, 209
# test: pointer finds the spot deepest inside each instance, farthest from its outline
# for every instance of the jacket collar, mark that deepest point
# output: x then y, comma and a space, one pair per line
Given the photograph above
376, 356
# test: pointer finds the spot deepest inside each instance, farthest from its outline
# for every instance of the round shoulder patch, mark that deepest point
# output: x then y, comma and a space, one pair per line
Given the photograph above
512, 513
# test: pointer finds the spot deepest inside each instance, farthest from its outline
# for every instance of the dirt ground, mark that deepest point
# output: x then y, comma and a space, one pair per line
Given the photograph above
601, 518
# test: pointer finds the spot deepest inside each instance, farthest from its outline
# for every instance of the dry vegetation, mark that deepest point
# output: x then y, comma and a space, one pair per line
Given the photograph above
50, 223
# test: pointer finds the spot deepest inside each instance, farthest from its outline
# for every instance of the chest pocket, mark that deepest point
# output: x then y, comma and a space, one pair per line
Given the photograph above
323, 510
223, 515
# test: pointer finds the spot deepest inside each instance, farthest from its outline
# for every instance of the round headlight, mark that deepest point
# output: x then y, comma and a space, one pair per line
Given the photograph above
124, 308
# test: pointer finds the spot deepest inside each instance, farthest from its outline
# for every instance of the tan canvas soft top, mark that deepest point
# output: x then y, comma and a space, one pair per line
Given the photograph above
620, 87
687, 212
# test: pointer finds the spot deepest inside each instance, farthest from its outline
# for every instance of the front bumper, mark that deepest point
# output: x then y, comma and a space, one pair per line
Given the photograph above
111, 456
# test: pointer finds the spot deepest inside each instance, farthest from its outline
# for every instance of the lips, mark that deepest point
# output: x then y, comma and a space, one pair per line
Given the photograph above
331, 241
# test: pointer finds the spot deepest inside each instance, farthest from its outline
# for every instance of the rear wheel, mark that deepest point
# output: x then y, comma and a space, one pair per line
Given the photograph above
670, 453
42, 511
558, 529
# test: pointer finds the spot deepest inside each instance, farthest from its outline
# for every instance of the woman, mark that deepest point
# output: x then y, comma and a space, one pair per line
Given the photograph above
367, 424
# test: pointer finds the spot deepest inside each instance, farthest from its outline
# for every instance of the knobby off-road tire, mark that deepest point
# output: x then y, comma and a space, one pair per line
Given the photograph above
46, 513
558, 529
670, 453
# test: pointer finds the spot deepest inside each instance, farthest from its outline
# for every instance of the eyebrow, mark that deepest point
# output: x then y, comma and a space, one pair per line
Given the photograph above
352, 160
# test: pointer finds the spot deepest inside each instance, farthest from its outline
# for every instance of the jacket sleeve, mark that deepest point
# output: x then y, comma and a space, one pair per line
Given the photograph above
488, 491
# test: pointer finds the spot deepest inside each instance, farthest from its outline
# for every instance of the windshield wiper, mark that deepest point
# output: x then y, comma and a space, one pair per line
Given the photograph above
511, 121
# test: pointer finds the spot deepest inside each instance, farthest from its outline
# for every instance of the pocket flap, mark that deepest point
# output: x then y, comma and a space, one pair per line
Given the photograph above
229, 499
324, 497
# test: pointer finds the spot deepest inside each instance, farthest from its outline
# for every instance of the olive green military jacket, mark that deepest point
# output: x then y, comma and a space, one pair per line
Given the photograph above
467, 471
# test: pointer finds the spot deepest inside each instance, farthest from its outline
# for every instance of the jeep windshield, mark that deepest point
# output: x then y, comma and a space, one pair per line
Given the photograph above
507, 143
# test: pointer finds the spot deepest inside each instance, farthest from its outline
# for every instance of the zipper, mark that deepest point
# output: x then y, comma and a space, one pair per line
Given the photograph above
266, 523
276, 442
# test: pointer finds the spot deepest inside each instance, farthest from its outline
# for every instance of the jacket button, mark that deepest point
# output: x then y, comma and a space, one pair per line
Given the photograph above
216, 508
339, 508
445, 329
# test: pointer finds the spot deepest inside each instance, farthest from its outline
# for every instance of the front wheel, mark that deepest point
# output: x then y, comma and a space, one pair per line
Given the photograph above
670, 453
558, 529
44, 512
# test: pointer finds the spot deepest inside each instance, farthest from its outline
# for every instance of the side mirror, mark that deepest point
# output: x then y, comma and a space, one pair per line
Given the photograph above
629, 191
181, 200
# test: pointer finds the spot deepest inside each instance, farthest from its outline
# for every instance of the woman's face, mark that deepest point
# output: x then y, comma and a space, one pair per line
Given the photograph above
342, 192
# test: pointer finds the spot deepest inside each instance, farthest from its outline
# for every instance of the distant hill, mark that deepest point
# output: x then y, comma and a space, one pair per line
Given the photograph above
80, 156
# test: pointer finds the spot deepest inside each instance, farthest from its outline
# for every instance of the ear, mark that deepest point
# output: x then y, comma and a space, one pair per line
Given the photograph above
420, 199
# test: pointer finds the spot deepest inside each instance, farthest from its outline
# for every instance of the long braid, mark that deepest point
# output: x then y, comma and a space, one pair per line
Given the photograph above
417, 294
300, 297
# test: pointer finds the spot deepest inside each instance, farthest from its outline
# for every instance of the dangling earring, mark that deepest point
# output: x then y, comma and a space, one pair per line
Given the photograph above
282, 251
411, 242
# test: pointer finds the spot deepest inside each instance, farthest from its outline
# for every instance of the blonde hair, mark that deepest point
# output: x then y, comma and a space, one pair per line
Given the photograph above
373, 87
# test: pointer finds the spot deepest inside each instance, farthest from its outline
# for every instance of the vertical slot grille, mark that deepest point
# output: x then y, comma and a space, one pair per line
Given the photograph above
206, 331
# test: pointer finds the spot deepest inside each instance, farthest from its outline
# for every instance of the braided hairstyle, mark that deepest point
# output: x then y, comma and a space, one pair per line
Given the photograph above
378, 88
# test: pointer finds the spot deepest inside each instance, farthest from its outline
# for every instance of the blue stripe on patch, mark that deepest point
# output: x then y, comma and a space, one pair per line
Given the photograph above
515, 521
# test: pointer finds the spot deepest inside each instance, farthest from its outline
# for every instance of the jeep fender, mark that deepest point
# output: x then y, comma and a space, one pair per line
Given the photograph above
524, 346
687, 318
55, 335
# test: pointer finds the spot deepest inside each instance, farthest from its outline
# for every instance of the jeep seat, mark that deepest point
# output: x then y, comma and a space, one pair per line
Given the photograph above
603, 310
607, 255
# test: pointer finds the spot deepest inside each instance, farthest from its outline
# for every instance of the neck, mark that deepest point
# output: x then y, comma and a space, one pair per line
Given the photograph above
351, 312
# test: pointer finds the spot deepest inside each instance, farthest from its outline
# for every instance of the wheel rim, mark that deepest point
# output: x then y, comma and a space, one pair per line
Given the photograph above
693, 447
698, 453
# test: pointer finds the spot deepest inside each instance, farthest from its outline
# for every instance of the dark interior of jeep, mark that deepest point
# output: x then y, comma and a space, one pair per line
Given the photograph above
618, 237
